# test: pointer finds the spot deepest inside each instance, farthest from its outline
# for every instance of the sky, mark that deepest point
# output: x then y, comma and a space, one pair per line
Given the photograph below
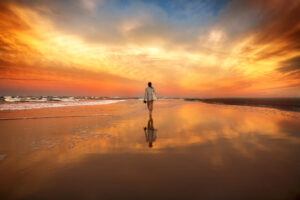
201, 48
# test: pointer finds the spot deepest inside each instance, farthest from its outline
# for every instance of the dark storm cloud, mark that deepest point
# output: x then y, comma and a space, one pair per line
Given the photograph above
280, 21
291, 65
277, 24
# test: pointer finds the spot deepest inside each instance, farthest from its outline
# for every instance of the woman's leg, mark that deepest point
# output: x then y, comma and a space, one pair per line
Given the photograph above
151, 107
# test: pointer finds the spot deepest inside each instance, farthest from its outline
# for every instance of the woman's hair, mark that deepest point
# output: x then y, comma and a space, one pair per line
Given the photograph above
150, 84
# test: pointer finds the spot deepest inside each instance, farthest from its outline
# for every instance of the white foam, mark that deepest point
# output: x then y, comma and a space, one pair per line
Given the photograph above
51, 146
45, 142
28, 106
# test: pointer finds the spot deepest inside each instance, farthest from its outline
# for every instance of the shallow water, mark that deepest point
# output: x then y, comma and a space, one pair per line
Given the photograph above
199, 151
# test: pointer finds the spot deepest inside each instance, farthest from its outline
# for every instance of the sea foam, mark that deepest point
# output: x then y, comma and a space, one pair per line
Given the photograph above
37, 105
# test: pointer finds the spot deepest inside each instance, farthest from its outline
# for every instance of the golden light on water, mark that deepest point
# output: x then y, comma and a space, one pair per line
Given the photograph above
42, 148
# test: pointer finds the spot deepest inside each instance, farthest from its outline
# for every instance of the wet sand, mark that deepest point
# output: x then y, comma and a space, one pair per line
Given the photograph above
201, 151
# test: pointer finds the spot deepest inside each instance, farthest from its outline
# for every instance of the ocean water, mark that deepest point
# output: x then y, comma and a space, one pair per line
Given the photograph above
197, 151
27, 103
52, 98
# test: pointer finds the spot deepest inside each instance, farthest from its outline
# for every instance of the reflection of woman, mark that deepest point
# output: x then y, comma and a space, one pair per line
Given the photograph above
150, 96
150, 132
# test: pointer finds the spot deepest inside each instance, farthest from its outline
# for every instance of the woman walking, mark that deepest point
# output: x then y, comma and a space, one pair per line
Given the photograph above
150, 96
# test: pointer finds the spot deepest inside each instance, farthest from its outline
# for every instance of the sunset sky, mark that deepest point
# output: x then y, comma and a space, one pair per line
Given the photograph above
201, 48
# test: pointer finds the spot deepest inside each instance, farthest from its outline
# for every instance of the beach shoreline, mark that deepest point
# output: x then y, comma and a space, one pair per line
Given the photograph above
72, 152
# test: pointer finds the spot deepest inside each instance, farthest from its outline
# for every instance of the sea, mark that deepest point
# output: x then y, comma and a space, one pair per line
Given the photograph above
36, 102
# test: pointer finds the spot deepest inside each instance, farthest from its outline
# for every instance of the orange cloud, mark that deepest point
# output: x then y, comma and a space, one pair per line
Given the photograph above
249, 49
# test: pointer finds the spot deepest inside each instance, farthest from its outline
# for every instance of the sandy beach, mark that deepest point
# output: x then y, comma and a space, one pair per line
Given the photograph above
78, 80
100, 152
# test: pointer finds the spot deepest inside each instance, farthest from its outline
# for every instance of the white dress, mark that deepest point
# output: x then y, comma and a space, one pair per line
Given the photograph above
150, 94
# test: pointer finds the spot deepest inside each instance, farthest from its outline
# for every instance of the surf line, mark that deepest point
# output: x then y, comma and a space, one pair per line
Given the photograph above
51, 117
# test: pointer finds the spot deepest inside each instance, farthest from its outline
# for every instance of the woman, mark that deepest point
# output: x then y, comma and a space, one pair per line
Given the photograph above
150, 96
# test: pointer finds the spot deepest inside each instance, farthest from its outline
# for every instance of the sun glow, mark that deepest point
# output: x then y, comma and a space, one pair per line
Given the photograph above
213, 63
